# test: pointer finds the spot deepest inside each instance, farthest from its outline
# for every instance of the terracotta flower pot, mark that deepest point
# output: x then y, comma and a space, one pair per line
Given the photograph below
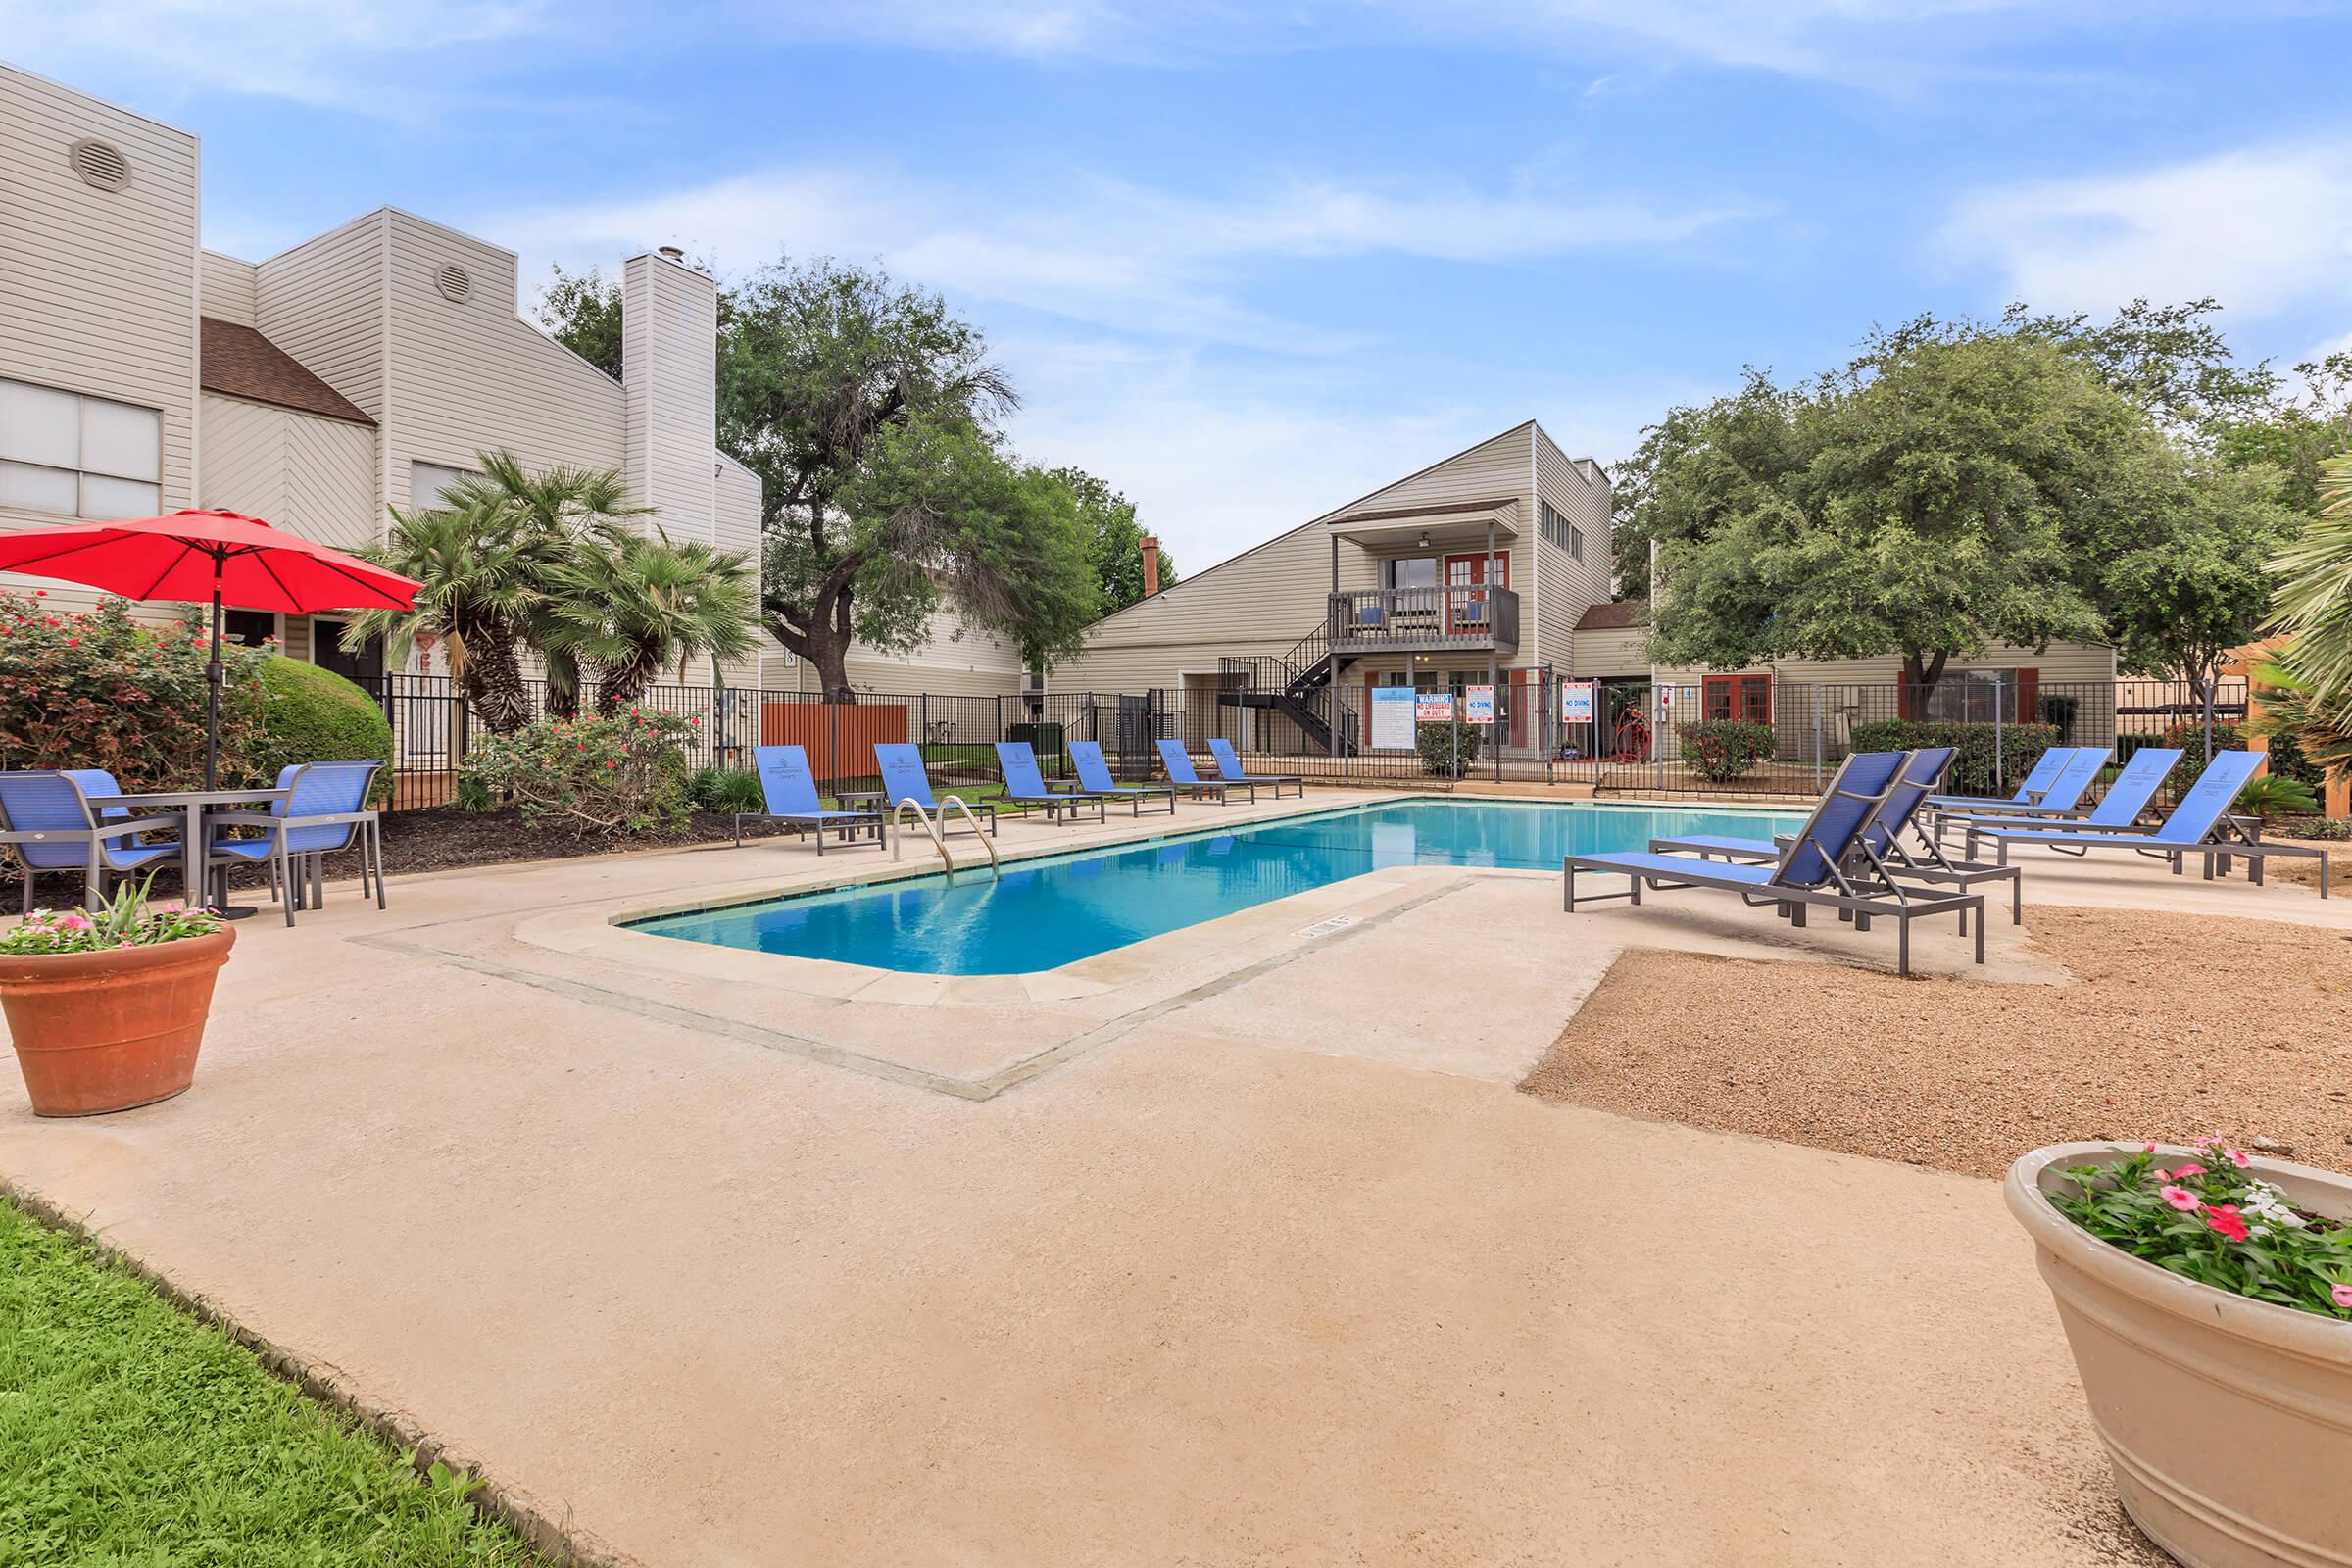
2229, 1420
106, 1031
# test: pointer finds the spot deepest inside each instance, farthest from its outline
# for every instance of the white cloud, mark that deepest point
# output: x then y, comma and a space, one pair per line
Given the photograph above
330, 53
2264, 230
1102, 250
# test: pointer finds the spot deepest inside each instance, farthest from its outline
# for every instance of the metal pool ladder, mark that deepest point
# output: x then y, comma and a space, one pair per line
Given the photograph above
939, 843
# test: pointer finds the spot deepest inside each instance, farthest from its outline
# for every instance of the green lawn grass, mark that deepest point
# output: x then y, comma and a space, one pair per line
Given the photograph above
132, 1434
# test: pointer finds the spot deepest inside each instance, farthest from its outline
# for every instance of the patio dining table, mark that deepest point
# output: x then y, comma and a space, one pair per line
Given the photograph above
192, 805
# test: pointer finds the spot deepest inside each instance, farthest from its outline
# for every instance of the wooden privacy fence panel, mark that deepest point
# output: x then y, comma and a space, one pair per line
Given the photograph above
839, 738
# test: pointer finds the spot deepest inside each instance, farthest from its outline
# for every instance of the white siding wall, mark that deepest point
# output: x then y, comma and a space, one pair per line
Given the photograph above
1566, 587
230, 287
309, 476
98, 289
471, 376
669, 372
323, 301
1492, 470
955, 659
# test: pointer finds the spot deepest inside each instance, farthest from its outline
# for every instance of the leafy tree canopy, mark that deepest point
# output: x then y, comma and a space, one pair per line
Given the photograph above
582, 312
1116, 540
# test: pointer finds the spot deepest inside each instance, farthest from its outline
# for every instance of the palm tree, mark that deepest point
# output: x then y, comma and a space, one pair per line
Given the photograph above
481, 582
2313, 605
636, 605
561, 510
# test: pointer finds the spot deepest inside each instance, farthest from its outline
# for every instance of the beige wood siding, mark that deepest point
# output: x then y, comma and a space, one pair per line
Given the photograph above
309, 476
954, 660
470, 376
98, 288
1494, 469
323, 301
229, 290
1565, 586
670, 374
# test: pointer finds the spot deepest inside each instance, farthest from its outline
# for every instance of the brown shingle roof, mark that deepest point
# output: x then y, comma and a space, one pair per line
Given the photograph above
242, 364
1613, 615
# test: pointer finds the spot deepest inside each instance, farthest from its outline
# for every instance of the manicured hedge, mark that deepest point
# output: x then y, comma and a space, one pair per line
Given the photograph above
2020, 747
310, 714
1720, 750
1438, 742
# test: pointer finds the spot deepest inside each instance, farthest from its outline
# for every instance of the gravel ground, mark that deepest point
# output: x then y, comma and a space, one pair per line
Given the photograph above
2176, 1026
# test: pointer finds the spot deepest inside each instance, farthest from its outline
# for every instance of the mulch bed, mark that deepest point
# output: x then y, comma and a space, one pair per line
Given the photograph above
2176, 1026
443, 839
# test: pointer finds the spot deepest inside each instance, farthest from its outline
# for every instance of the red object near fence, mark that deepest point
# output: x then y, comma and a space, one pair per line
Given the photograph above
839, 737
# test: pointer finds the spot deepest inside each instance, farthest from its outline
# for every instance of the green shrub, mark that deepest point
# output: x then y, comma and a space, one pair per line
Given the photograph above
2058, 711
623, 774
99, 689
2325, 827
726, 789
1720, 750
310, 714
1447, 746
1973, 772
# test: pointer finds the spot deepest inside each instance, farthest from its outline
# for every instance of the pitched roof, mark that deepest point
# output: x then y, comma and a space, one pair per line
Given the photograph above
1612, 614
242, 364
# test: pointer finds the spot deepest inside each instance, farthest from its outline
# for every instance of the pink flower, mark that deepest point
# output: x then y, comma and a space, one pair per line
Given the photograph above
2343, 1294
2187, 1171
2236, 1158
2180, 1198
2149, 1150
2223, 1220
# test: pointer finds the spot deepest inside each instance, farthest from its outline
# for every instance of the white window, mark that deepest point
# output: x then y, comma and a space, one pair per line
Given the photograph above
431, 485
1973, 696
78, 457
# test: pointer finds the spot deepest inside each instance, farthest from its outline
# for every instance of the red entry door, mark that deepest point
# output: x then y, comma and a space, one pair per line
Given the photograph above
1471, 612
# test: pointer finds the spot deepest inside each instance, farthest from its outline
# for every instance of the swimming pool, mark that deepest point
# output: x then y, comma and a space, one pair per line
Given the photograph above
1047, 913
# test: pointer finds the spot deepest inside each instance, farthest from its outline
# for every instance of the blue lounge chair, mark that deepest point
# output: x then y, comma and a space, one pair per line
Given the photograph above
324, 811
48, 818
2037, 784
1025, 785
1813, 871
1094, 776
2118, 811
1179, 763
904, 778
2064, 797
1892, 839
789, 786
1229, 769
2200, 825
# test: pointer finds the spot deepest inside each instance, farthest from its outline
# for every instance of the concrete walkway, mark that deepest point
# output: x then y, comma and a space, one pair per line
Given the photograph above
1273, 1266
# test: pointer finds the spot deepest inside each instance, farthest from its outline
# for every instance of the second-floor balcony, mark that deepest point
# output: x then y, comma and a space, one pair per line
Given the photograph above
1424, 620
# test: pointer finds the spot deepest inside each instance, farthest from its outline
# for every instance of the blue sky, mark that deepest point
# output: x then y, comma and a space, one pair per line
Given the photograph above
1248, 261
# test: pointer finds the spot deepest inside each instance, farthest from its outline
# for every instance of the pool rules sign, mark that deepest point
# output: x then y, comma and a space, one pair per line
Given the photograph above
1393, 717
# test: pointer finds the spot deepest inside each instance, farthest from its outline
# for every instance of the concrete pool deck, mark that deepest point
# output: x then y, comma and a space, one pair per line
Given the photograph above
1252, 1254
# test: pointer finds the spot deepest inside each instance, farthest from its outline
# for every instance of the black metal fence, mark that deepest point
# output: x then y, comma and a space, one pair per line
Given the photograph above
1531, 726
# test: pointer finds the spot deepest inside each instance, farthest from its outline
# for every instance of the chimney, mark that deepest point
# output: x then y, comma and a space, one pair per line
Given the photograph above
1151, 566
670, 384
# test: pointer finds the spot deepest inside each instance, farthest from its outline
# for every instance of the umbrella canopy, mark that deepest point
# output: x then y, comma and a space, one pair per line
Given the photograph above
224, 556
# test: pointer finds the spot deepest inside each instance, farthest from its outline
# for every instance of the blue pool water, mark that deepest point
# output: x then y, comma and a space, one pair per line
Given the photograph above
1049, 912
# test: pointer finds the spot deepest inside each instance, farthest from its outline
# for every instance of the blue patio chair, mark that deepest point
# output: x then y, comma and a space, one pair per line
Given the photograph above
2036, 785
2200, 825
324, 812
2118, 811
1025, 786
1893, 839
48, 819
904, 778
789, 786
1095, 778
1179, 765
2064, 797
1813, 871
1229, 768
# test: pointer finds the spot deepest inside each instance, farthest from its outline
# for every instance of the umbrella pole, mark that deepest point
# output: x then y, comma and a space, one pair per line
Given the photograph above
212, 676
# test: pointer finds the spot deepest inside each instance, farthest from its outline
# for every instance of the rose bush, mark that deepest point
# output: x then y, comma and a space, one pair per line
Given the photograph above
2207, 1218
623, 774
1720, 750
98, 689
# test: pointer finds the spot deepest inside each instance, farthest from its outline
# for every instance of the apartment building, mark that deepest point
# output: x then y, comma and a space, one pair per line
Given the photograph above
1486, 568
357, 370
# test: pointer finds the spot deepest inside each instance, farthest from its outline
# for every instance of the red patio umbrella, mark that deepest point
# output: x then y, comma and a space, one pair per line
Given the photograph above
222, 556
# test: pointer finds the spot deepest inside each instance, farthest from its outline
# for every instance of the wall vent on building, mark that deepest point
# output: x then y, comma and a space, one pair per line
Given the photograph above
100, 164
453, 281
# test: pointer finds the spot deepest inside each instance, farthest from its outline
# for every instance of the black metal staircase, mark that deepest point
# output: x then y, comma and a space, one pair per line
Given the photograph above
1298, 686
